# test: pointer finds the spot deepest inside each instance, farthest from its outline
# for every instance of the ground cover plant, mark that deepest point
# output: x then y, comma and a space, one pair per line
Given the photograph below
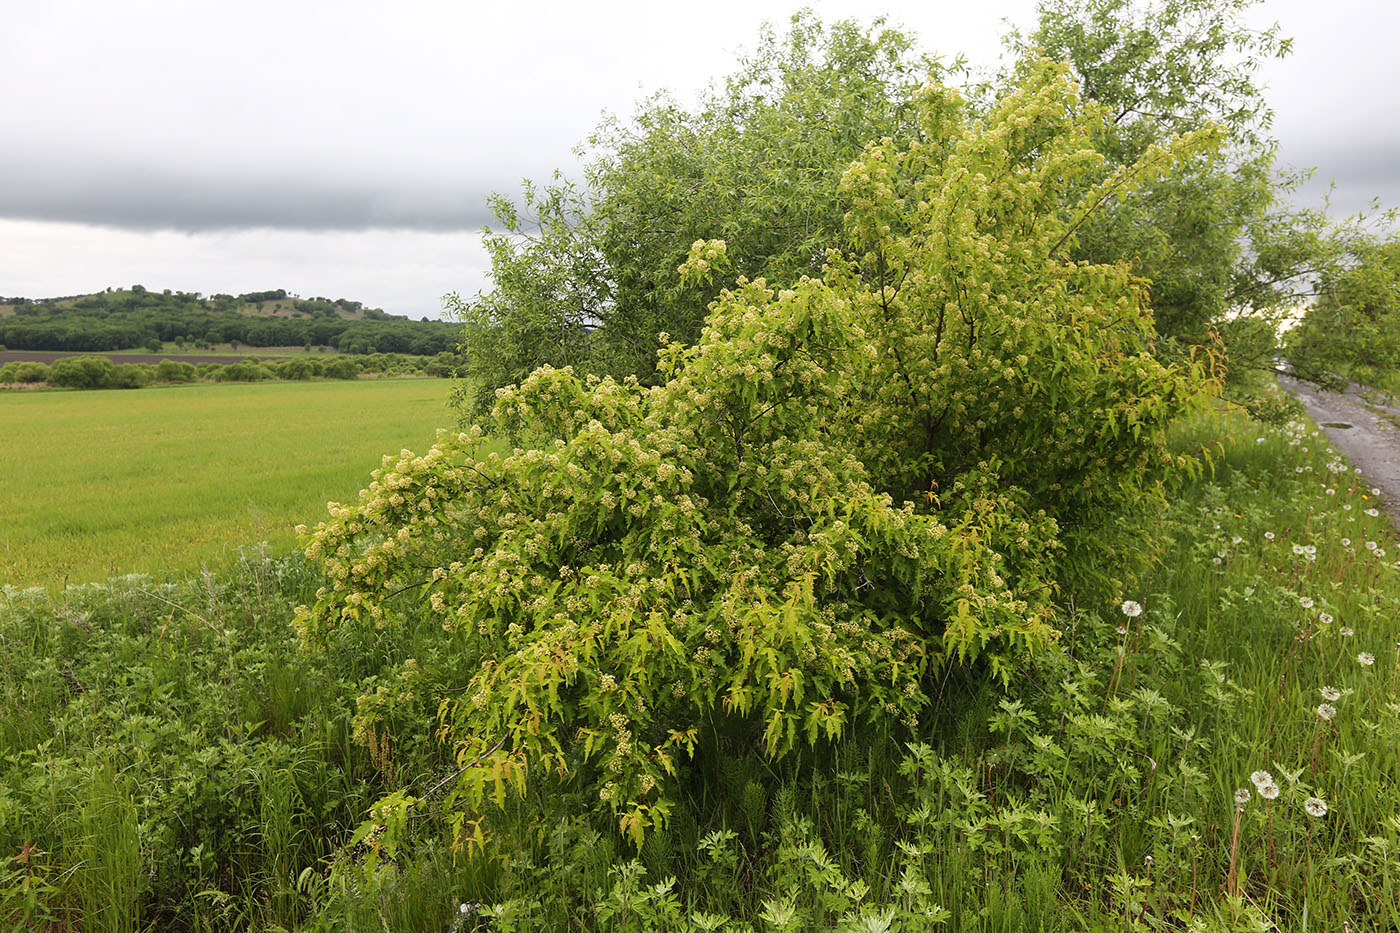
790, 633
182, 730
162, 481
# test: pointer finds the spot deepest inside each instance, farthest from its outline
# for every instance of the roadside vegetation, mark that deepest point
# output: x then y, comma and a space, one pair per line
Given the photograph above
901, 536
173, 757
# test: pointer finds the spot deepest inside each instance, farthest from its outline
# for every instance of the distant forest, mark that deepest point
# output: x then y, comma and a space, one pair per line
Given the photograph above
135, 317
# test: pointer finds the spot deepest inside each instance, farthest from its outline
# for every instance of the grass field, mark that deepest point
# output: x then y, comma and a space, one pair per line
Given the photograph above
167, 480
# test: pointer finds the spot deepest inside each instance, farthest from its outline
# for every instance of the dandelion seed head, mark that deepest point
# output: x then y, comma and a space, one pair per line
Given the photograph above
1260, 778
1316, 807
1324, 618
1366, 659
1347, 632
1131, 609
1268, 536
1331, 694
1241, 796
1305, 601
1326, 711
1269, 791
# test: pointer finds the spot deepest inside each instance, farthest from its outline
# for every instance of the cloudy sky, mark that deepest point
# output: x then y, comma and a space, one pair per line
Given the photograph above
346, 148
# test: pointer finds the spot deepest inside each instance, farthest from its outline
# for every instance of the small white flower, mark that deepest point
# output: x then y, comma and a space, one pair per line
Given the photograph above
1333, 492
1331, 694
1375, 491
1346, 542
1366, 659
1132, 609
1260, 778
1241, 796
1326, 711
1305, 601
1298, 549
1324, 618
1372, 512
1316, 806
1122, 630
1237, 540
1347, 632
1269, 791
1370, 545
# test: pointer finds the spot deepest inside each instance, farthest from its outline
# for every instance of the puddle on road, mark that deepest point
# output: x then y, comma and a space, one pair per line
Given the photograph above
1336, 424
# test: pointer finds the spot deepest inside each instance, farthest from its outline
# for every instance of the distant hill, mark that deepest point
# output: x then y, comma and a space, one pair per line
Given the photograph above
124, 319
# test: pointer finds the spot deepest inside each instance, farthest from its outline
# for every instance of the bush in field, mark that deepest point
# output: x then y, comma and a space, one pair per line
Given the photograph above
244, 372
341, 369
295, 368
81, 372
827, 497
175, 371
131, 376
30, 372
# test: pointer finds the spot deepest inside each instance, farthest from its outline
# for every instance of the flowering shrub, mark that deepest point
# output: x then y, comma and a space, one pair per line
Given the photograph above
841, 485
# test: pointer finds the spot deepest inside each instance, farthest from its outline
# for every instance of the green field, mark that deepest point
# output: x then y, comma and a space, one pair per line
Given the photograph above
165, 481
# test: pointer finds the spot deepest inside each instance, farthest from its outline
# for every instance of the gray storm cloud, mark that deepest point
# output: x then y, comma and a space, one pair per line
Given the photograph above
152, 201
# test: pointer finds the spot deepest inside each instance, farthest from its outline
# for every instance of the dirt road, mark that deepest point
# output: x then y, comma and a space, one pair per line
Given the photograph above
1365, 427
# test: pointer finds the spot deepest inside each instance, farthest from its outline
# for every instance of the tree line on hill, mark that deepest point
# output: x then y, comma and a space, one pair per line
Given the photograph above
136, 317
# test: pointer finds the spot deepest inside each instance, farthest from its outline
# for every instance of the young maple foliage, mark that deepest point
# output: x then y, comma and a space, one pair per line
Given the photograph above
843, 485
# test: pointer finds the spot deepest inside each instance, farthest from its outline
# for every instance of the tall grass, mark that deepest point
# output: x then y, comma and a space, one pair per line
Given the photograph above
213, 763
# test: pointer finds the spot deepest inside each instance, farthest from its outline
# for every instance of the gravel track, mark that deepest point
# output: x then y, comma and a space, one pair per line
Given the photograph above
1364, 425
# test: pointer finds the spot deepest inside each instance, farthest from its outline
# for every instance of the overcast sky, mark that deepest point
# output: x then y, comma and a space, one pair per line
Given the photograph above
346, 148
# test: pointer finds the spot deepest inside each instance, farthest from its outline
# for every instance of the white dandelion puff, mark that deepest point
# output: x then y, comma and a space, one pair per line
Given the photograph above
1326, 711
1131, 609
1331, 694
1305, 601
1260, 778
1366, 659
1241, 796
1316, 807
